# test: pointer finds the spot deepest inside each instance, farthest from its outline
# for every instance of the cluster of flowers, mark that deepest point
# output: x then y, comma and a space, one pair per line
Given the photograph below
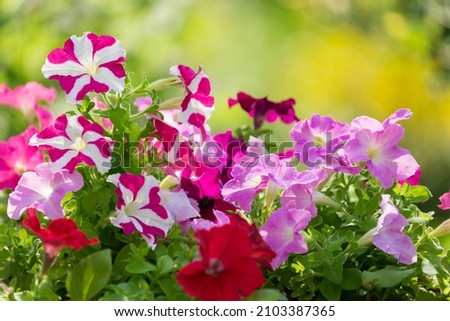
211, 180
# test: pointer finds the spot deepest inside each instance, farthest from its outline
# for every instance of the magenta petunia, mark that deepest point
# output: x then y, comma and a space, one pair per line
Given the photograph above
320, 142
261, 109
74, 140
28, 98
198, 104
389, 236
16, 157
376, 145
143, 207
282, 233
233, 149
412, 180
87, 63
205, 193
43, 190
445, 201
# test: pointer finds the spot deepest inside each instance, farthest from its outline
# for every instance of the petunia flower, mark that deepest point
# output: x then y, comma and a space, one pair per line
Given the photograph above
62, 232
198, 104
74, 140
412, 180
142, 103
261, 109
16, 157
205, 193
257, 172
389, 236
87, 63
27, 98
376, 145
282, 233
43, 190
59, 233
320, 142
145, 208
226, 269
233, 150
445, 201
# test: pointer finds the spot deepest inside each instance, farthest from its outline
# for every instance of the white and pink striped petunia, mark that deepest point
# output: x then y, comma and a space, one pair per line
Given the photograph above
74, 140
145, 208
87, 63
198, 104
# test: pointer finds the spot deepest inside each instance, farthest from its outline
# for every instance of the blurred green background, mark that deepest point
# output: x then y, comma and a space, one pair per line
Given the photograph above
337, 57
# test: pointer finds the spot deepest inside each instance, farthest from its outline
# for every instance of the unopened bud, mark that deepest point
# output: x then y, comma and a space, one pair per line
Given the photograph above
366, 239
441, 230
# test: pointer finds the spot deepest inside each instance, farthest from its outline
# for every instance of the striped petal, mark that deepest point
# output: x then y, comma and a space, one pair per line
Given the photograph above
87, 63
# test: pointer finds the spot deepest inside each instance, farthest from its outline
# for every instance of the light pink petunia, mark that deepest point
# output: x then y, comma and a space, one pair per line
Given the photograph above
142, 103
445, 201
257, 171
389, 236
145, 208
43, 190
28, 98
376, 144
74, 140
87, 63
198, 104
320, 141
16, 157
282, 233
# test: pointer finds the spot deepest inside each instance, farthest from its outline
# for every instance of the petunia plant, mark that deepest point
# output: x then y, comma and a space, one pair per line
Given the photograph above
131, 192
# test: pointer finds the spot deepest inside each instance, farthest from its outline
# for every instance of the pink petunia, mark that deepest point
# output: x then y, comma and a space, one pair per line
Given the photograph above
376, 144
28, 98
43, 190
87, 63
389, 236
74, 140
16, 157
198, 104
257, 171
320, 142
282, 233
143, 207
445, 201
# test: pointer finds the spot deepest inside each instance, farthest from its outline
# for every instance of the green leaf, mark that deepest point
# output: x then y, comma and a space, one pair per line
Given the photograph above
428, 268
165, 264
89, 276
330, 290
333, 272
385, 278
119, 117
418, 194
139, 266
266, 295
89, 203
351, 279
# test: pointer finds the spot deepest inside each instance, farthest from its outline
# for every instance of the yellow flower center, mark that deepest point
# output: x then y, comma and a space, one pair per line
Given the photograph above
79, 144
92, 69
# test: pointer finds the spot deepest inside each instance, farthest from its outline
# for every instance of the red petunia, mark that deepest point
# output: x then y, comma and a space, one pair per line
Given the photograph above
263, 109
60, 232
227, 269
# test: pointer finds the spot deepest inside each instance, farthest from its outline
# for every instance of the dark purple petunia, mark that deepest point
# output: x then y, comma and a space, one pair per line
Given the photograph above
263, 109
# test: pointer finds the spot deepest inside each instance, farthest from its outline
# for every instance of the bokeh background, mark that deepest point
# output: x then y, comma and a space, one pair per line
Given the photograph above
341, 58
